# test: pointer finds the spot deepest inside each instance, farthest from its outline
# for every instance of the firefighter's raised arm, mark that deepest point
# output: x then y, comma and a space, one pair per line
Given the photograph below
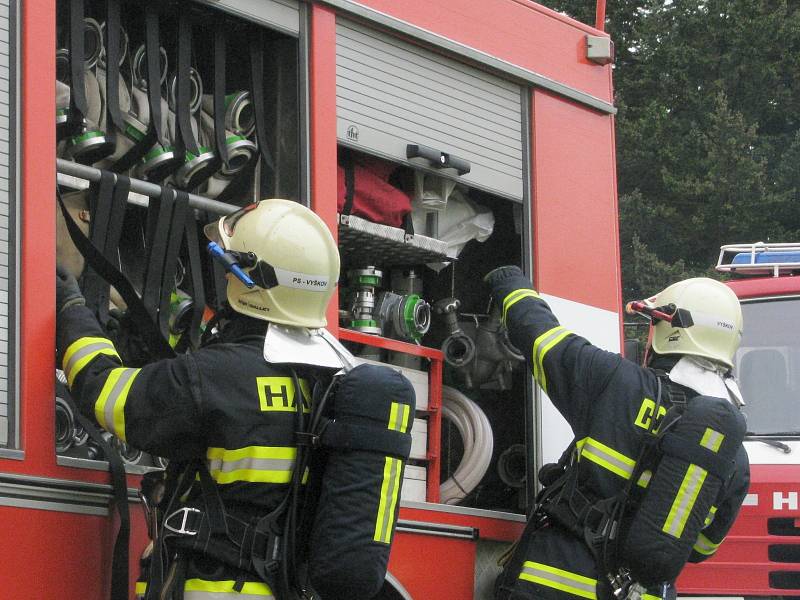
151, 408
558, 358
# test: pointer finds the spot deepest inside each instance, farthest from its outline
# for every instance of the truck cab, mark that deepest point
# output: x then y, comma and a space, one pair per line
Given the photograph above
761, 555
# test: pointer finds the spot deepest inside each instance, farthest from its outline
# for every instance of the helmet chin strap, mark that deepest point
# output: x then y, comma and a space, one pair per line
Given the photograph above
707, 378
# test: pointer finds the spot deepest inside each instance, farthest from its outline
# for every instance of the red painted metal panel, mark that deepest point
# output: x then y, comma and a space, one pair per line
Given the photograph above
449, 566
48, 554
576, 241
742, 564
518, 32
765, 286
322, 110
37, 230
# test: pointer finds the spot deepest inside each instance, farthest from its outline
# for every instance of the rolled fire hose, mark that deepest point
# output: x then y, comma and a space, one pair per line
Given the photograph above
476, 435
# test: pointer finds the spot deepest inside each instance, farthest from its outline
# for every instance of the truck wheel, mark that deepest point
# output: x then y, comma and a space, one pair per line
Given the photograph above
392, 590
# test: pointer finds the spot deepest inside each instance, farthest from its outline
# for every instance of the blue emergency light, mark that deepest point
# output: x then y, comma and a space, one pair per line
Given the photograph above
767, 257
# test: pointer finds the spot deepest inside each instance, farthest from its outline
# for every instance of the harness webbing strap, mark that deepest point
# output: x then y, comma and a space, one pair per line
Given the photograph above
119, 488
220, 49
95, 289
257, 84
698, 455
145, 326
112, 43
155, 127
159, 215
184, 139
77, 52
347, 436
175, 233
196, 280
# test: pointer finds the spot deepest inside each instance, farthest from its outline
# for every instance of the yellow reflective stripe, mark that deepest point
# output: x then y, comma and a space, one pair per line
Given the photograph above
684, 501
650, 597
140, 589
559, 579
712, 439
211, 590
606, 457
541, 346
255, 464
705, 546
515, 297
109, 408
399, 411
81, 352
711, 512
390, 487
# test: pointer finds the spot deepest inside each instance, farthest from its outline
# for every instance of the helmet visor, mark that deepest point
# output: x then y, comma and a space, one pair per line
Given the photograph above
227, 225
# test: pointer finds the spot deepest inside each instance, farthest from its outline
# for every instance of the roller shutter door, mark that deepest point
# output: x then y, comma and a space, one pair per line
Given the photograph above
390, 93
283, 15
8, 93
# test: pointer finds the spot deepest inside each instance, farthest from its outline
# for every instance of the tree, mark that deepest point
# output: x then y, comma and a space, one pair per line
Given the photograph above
708, 129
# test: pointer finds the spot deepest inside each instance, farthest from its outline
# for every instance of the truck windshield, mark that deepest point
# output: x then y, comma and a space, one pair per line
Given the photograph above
768, 366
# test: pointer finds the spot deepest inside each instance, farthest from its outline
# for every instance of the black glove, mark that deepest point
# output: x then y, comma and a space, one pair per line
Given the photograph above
495, 276
504, 280
67, 291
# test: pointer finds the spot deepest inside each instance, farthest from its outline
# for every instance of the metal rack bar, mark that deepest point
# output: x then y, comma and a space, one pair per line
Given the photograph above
144, 188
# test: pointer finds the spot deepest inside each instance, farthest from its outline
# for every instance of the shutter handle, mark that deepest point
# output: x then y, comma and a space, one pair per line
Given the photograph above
439, 159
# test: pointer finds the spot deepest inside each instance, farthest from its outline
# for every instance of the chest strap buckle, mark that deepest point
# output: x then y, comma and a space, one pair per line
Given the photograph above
184, 521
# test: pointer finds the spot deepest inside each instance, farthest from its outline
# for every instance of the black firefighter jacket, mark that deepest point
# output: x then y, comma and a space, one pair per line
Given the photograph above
223, 403
608, 402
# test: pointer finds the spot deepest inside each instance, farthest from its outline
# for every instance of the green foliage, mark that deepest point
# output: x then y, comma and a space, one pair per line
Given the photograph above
708, 129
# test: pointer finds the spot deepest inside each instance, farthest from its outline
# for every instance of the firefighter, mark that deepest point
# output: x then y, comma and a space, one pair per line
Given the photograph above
222, 408
580, 539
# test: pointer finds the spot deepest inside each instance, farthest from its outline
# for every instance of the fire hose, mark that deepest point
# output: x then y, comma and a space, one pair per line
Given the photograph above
476, 435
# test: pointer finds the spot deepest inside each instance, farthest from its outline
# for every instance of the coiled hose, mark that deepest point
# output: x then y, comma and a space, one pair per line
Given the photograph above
476, 435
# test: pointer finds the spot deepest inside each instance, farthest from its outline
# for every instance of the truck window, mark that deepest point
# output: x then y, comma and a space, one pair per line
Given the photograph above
767, 366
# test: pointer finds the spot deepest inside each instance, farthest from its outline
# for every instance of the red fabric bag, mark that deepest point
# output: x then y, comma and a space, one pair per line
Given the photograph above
373, 197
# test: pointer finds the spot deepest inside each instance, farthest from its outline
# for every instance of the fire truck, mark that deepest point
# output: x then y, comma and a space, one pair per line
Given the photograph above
760, 556
494, 118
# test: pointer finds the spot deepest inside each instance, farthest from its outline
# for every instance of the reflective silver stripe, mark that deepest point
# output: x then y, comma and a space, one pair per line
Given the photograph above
684, 501
513, 298
559, 579
705, 546
644, 479
109, 408
261, 464
86, 351
607, 457
388, 501
258, 464
541, 346
712, 439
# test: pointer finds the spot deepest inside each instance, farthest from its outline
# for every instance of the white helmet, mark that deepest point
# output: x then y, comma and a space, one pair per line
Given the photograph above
713, 328
290, 255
